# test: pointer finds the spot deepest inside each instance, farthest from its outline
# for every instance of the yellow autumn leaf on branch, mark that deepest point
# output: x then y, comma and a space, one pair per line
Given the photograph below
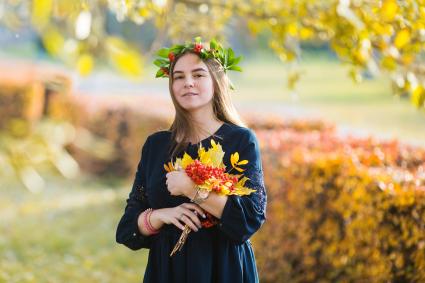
234, 161
242, 181
234, 158
41, 11
402, 38
187, 159
242, 191
85, 64
418, 96
53, 41
124, 57
389, 10
240, 188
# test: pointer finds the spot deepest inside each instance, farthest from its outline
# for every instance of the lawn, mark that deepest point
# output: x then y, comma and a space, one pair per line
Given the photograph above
65, 234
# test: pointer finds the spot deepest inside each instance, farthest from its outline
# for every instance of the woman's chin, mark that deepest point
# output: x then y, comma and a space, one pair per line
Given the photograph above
192, 106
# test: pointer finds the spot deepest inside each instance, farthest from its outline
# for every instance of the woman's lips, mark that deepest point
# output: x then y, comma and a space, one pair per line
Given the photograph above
190, 94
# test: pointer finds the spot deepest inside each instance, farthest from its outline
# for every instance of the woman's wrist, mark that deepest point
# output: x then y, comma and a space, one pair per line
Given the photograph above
192, 191
155, 219
200, 196
148, 222
141, 225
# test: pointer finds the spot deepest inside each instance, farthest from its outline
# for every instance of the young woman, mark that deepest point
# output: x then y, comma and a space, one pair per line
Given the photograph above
161, 203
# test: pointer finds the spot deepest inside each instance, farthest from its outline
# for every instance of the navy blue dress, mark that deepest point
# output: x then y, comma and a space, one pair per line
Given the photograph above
222, 253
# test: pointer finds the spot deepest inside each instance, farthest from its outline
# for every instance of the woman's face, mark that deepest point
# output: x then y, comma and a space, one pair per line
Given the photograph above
192, 83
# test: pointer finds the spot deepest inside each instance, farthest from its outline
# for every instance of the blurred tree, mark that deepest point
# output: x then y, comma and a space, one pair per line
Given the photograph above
39, 122
27, 152
372, 36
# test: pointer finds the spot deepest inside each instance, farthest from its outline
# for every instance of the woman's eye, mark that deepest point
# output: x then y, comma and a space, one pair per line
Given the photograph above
177, 78
198, 75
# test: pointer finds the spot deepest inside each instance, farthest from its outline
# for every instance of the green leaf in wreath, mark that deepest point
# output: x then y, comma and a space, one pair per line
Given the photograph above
163, 52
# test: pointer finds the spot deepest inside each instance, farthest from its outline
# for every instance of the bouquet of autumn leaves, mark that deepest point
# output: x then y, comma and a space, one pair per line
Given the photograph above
208, 172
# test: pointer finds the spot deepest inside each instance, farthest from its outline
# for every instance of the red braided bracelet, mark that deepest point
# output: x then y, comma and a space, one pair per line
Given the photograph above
147, 222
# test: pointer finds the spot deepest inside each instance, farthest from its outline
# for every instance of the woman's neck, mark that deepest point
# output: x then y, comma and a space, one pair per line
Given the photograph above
204, 124
205, 130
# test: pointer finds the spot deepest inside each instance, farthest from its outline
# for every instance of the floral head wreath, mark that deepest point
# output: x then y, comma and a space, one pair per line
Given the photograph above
226, 57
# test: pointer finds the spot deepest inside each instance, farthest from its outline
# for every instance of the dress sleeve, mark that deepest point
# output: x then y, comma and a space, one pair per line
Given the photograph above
128, 232
243, 215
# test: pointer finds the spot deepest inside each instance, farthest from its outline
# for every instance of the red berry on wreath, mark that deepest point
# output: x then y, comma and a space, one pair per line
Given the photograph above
198, 47
171, 56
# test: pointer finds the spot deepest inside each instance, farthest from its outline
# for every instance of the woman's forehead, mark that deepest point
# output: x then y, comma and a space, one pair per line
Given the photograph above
189, 62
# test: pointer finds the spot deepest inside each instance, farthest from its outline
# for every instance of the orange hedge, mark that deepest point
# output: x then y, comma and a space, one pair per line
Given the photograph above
340, 209
29, 94
126, 130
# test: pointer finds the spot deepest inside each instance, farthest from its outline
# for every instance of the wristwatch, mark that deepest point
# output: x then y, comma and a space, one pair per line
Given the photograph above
200, 196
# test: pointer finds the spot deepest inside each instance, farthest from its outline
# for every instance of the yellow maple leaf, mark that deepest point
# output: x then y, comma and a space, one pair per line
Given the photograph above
213, 143
187, 159
216, 154
178, 163
213, 156
204, 157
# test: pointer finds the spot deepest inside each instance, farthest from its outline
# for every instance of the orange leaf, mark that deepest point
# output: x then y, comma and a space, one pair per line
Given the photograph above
166, 168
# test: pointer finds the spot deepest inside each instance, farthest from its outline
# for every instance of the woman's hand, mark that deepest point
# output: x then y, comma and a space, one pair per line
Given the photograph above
186, 213
178, 183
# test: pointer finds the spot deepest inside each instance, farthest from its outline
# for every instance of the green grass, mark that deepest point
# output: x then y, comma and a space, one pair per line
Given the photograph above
66, 244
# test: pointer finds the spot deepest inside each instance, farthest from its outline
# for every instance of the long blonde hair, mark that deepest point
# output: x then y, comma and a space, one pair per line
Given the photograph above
223, 107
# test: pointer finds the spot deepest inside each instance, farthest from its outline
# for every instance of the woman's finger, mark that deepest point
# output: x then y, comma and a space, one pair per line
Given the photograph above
177, 224
193, 217
188, 221
194, 207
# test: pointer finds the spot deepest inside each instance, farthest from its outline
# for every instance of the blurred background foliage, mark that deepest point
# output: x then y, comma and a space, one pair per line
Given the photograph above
344, 210
371, 36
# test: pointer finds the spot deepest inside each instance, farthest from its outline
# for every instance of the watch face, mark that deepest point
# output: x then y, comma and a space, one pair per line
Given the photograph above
203, 194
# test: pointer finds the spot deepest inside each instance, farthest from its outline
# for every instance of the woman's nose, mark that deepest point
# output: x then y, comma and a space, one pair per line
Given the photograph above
188, 82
